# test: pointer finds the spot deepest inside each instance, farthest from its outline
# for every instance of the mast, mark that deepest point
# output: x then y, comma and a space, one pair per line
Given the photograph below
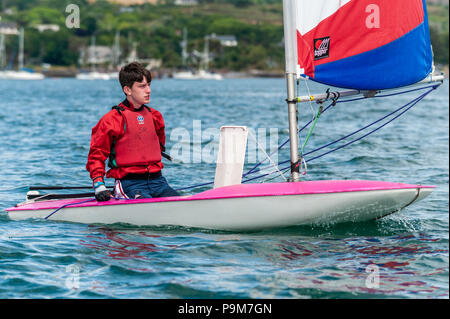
290, 47
2, 51
93, 55
116, 50
184, 47
21, 35
206, 54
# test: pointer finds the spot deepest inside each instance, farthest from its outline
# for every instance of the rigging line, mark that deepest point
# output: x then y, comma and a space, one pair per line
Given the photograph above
392, 94
415, 101
272, 178
260, 163
376, 129
271, 172
244, 181
252, 170
70, 204
287, 141
82, 202
316, 118
309, 94
267, 156
434, 86
194, 186
260, 176
386, 95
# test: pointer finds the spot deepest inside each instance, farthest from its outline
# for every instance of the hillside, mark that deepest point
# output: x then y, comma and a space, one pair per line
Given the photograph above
156, 30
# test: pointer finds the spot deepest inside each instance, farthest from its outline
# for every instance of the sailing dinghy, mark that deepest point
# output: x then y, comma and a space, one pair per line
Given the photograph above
364, 46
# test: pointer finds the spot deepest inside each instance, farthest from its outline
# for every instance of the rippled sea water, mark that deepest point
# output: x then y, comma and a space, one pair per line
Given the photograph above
45, 128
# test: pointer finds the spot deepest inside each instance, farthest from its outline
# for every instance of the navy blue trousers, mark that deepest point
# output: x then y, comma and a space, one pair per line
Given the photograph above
147, 188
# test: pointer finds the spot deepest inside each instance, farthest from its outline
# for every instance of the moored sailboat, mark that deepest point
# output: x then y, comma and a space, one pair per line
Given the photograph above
94, 74
203, 72
21, 73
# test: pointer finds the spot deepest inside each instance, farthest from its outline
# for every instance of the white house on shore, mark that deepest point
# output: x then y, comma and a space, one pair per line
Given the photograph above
9, 28
225, 40
45, 27
186, 2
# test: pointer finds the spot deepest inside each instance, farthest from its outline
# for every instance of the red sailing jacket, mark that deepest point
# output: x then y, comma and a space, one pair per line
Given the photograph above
127, 153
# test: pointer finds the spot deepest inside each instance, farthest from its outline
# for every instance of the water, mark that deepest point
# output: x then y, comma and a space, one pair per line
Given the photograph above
46, 128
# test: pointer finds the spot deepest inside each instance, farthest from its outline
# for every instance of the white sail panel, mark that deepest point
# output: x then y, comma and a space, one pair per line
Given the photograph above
311, 13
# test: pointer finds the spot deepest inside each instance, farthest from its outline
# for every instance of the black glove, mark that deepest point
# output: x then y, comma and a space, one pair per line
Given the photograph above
102, 194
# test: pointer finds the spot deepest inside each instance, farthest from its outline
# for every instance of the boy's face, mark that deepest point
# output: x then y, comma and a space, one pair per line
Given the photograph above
139, 93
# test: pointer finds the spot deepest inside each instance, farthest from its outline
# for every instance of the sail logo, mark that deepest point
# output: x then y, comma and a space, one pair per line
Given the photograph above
321, 48
140, 119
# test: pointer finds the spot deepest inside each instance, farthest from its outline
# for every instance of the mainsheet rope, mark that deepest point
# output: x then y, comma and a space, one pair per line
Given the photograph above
70, 204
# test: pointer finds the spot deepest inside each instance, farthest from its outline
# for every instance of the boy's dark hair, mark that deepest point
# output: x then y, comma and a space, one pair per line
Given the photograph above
133, 72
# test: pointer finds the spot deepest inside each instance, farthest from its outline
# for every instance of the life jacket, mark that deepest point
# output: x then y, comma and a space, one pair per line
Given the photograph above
139, 145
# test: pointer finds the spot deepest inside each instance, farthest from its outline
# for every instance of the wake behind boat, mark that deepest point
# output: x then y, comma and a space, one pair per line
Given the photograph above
317, 37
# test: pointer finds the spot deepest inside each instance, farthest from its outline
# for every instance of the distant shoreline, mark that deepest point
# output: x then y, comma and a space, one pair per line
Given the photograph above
68, 72
60, 72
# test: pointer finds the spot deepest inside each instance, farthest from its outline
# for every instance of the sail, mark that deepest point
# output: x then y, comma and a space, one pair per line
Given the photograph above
363, 44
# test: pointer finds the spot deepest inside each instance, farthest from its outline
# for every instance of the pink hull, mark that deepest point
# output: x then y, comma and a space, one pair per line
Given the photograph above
238, 191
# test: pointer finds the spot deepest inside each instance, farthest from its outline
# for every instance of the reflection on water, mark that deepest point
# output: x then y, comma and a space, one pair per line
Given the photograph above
347, 265
124, 245
295, 266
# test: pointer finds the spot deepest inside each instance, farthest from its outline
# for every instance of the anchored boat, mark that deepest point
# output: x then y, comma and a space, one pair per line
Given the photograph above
22, 73
340, 43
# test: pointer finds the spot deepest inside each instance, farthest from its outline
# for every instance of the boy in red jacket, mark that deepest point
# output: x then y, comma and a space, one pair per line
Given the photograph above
132, 137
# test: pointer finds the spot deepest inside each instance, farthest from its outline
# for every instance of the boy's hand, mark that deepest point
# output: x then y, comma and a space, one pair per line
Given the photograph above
102, 194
